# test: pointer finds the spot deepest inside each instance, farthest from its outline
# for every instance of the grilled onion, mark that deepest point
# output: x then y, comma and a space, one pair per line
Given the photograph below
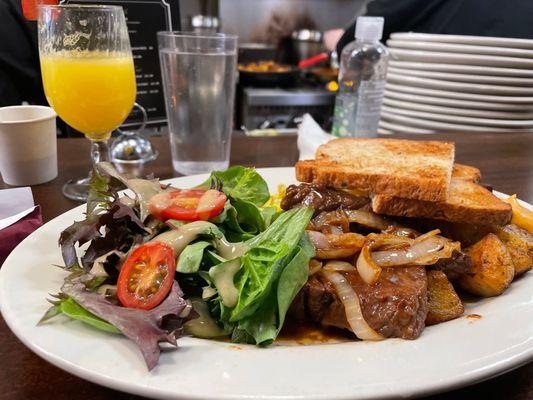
336, 245
426, 249
426, 235
366, 267
368, 219
318, 240
425, 252
352, 307
314, 266
339, 266
401, 231
331, 222
338, 221
388, 258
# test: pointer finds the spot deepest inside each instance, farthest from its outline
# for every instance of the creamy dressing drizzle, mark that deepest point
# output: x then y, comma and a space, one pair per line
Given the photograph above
204, 326
128, 201
207, 203
230, 250
222, 276
144, 190
179, 238
107, 290
208, 292
98, 265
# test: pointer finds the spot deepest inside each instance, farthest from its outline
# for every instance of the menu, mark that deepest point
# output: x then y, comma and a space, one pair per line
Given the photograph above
145, 18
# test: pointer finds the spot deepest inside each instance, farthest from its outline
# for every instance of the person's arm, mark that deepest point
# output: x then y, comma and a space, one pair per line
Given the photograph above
399, 15
331, 38
19, 58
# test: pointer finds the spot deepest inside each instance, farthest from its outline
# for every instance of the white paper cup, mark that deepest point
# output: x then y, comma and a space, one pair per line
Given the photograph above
28, 145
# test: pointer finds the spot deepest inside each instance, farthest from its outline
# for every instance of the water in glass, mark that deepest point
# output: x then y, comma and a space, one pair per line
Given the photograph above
199, 92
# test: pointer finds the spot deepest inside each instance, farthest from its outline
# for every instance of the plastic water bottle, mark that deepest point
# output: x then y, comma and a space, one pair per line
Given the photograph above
363, 71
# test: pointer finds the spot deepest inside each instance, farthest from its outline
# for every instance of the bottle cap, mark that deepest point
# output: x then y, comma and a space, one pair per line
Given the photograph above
369, 28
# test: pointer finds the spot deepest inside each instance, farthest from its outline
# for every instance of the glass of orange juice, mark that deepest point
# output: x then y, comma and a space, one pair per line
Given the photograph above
88, 74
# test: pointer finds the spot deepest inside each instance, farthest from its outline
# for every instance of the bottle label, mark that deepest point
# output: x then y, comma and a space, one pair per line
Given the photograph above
369, 107
358, 113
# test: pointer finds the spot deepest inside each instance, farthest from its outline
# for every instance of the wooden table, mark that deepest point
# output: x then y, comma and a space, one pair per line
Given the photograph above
505, 160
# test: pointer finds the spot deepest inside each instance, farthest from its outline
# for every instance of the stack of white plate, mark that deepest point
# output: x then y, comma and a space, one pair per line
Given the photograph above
451, 82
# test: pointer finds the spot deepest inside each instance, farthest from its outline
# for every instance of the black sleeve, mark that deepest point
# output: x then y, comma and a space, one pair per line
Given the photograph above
455, 17
399, 15
20, 77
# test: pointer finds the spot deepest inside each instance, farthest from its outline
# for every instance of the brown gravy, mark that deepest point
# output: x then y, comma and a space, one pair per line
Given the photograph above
308, 333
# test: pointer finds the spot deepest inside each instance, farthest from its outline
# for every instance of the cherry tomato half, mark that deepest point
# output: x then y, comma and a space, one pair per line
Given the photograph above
187, 205
146, 276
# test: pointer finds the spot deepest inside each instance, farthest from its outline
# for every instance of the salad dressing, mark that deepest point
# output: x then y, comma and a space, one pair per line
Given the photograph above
249, 311
204, 326
179, 238
144, 190
229, 250
223, 276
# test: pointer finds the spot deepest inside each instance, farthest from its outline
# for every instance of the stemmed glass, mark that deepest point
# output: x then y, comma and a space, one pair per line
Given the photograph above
88, 74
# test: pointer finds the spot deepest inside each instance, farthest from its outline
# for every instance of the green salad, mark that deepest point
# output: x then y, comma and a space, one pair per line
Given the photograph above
161, 262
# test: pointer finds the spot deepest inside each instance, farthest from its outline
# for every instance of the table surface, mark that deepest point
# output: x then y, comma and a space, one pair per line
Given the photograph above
505, 160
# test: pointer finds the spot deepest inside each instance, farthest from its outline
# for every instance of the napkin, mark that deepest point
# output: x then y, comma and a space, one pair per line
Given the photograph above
18, 218
14, 201
310, 136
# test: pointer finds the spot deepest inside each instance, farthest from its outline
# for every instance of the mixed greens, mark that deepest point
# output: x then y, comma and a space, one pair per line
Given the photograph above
212, 261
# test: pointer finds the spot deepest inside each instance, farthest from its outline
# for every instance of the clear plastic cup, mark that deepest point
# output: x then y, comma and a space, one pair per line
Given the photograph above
198, 73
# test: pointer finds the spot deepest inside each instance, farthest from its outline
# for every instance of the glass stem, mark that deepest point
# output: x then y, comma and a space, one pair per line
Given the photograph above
99, 151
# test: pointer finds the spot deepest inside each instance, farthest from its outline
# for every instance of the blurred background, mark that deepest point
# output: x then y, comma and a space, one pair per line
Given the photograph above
274, 87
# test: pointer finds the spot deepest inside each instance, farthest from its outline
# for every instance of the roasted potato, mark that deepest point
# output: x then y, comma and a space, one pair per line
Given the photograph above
467, 234
443, 302
519, 243
492, 268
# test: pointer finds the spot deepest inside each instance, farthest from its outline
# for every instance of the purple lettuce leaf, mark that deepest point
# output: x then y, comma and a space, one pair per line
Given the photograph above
122, 228
79, 232
143, 327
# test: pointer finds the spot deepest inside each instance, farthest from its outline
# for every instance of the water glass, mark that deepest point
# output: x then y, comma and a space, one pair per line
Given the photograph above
198, 73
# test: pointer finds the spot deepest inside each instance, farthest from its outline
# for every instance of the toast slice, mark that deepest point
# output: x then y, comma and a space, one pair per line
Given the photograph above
468, 203
405, 168
466, 172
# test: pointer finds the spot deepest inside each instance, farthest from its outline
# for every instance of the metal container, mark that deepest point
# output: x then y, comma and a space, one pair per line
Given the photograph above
307, 43
253, 52
205, 24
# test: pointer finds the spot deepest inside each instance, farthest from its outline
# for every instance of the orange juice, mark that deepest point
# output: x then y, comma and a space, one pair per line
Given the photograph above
91, 91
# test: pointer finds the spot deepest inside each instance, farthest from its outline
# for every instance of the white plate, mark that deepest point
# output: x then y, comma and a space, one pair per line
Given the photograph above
456, 103
468, 112
383, 131
464, 39
459, 95
459, 48
393, 127
446, 356
428, 123
458, 86
462, 69
503, 124
460, 58
457, 77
